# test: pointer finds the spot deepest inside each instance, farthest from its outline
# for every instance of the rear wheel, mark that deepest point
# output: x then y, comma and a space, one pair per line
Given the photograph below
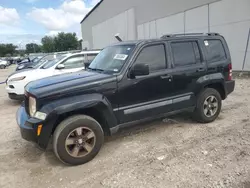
78, 139
208, 106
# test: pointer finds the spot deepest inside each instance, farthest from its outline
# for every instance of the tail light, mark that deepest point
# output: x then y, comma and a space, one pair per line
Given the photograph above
230, 73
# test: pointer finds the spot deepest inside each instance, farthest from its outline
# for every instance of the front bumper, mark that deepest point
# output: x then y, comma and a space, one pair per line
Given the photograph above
14, 96
229, 86
26, 128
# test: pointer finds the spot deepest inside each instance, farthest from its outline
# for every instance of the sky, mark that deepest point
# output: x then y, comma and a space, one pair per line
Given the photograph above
26, 21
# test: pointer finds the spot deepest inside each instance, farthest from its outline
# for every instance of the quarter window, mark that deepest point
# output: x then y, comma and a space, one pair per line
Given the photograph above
154, 56
185, 53
215, 50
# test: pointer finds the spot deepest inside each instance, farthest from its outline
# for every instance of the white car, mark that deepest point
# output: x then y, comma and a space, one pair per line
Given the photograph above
62, 64
3, 64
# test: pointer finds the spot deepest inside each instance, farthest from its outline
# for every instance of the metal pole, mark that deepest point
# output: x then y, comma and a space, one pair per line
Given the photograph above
245, 57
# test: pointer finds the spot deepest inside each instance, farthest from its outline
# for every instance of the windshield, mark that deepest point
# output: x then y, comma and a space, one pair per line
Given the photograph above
36, 60
51, 63
112, 58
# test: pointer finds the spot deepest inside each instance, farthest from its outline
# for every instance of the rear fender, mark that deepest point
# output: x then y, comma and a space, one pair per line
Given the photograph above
202, 82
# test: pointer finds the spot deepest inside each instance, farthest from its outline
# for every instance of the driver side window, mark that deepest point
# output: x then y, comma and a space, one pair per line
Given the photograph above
74, 62
154, 56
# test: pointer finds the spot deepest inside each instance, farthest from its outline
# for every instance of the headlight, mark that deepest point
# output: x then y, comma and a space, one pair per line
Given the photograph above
20, 67
17, 78
40, 115
32, 106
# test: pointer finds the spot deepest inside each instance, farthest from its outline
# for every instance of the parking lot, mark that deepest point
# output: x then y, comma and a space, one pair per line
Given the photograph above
174, 152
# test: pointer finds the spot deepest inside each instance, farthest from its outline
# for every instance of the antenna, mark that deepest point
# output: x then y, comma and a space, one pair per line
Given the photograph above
118, 37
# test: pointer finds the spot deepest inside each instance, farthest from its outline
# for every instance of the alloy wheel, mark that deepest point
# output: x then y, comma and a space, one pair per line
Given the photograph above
210, 106
80, 142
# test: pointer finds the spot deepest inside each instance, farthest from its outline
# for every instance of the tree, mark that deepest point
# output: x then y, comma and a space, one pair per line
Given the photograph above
48, 44
66, 41
61, 42
7, 49
33, 48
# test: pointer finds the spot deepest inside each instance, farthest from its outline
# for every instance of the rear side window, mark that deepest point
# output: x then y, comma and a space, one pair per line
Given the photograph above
185, 53
154, 56
215, 50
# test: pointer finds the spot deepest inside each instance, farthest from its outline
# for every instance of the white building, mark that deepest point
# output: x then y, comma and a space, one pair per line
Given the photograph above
143, 19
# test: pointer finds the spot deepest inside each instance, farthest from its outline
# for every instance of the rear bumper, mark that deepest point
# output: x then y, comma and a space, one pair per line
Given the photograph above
229, 86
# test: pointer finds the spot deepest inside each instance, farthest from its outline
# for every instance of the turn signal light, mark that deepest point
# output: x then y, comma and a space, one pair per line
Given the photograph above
39, 129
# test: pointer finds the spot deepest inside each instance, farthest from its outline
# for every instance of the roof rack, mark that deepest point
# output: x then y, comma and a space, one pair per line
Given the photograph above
189, 34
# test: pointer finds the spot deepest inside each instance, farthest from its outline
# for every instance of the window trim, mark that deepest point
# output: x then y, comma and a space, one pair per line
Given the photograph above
149, 45
186, 41
223, 46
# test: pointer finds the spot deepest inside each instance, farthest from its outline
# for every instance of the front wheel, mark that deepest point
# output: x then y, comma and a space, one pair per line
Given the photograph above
78, 139
2, 66
208, 106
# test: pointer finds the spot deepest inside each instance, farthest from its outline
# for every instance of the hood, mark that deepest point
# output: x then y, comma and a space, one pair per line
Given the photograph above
67, 83
23, 72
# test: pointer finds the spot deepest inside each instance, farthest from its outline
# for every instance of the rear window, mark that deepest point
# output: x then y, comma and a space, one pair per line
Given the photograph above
185, 53
215, 50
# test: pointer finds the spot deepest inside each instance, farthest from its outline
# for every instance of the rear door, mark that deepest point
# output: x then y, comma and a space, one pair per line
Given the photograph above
188, 66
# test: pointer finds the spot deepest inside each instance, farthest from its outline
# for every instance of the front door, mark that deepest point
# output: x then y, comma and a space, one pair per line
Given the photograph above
146, 96
72, 64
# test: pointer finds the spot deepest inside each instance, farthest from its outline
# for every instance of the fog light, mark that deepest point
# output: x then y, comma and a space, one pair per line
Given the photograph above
39, 129
40, 115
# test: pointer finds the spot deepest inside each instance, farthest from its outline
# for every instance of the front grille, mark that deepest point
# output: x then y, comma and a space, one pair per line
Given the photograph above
26, 103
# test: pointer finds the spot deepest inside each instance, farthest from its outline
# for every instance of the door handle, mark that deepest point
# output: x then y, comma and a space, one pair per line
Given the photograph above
200, 70
166, 77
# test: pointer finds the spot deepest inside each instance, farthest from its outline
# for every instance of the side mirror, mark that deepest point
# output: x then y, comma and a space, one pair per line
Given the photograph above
140, 70
60, 66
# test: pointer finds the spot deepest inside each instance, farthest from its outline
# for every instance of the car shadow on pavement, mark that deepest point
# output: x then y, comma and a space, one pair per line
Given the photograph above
12, 102
34, 153
178, 120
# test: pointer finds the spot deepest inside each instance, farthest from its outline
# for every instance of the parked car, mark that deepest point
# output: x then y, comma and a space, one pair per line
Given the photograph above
29, 64
3, 64
127, 83
63, 63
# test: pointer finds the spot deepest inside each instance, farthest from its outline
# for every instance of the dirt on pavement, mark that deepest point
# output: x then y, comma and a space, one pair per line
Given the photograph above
174, 152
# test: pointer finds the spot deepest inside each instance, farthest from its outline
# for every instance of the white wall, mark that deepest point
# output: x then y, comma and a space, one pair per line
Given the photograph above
124, 24
159, 27
231, 18
196, 20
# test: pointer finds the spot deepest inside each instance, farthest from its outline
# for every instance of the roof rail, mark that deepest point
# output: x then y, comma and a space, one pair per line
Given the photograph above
188, 34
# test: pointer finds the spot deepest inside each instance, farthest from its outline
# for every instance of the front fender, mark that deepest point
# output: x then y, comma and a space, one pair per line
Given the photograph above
70, 104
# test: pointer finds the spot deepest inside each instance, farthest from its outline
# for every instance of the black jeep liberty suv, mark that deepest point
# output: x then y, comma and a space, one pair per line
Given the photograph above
127, 83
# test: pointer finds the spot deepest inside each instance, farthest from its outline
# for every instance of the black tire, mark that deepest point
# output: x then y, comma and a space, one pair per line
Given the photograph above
199, 113
2, 67
64, 129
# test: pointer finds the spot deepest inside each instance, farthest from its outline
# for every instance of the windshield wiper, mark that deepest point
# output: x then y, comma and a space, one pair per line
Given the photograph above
95, 69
